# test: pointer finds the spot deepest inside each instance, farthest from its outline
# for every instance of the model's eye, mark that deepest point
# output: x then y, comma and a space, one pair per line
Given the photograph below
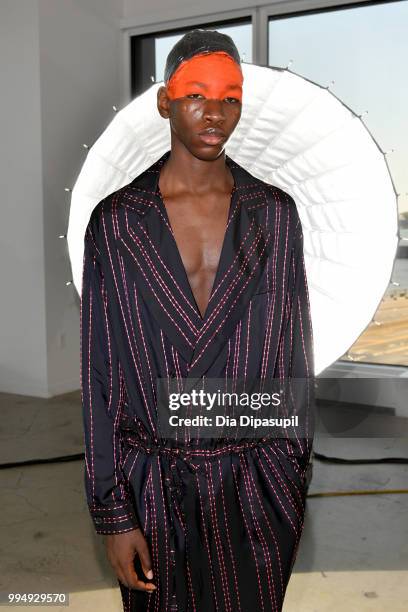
195, 96
232, 100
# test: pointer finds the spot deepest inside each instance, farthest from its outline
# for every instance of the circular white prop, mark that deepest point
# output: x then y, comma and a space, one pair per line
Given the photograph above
299, 136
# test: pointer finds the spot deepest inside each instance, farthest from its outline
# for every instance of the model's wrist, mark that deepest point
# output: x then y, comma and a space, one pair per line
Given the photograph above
113, 518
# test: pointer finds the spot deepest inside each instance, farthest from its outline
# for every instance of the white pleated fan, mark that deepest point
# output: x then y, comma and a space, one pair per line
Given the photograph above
297, 135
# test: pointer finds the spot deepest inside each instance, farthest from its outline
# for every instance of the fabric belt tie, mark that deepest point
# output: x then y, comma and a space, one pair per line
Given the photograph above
180, 479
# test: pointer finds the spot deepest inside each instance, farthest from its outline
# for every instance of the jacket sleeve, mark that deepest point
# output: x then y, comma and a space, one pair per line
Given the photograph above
296, 353
103, 393
299, 332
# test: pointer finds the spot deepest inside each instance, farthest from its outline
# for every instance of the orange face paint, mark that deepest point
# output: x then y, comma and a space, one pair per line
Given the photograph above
213, 75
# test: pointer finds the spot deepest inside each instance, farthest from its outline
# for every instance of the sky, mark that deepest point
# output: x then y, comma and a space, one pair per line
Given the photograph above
364, 50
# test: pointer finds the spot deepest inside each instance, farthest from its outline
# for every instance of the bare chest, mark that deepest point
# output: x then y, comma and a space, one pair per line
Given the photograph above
199, 229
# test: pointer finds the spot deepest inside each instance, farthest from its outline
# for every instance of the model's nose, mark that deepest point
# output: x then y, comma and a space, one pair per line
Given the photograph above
214, 109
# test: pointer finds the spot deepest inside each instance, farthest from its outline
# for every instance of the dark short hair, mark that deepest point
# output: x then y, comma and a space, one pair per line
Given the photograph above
196, 42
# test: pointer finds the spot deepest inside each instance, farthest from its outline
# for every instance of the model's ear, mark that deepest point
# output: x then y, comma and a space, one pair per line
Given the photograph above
163, 102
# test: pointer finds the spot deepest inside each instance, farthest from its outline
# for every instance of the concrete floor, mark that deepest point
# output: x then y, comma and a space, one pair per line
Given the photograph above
353, 556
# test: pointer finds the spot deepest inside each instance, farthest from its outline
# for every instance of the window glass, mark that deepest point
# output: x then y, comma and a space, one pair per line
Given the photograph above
364, 50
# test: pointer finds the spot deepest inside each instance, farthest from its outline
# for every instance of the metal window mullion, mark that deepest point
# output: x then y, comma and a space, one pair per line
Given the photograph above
284, 7
260, 37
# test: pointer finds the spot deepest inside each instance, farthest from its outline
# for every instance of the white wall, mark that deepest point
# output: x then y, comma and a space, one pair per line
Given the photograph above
23, 356
59, 63
141, 12
79, 58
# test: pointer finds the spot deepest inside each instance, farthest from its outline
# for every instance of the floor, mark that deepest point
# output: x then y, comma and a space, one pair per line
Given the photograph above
385, 341
353, 555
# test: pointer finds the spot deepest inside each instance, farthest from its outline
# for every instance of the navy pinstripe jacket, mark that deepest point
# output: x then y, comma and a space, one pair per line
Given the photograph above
139, 322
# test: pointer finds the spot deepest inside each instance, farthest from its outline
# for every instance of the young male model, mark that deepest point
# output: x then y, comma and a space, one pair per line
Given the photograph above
194, 269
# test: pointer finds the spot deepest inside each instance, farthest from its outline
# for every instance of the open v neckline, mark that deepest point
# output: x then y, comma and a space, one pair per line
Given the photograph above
178, 253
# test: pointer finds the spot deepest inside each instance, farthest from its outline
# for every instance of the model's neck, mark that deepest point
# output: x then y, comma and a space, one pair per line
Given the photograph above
183, 172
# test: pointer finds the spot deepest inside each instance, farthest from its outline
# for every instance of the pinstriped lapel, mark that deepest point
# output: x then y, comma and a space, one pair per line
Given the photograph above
247, 248
156, 265
152, 262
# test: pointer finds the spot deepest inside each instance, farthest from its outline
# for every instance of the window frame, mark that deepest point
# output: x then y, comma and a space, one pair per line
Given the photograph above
258, 15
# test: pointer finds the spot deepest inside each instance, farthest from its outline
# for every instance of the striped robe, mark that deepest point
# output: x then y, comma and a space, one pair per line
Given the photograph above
222, 517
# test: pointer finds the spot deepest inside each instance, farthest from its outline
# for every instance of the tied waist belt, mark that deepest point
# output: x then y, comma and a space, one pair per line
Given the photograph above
150, 445
181, 470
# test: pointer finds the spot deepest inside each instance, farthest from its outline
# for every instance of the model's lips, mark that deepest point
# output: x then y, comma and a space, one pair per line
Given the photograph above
212, 136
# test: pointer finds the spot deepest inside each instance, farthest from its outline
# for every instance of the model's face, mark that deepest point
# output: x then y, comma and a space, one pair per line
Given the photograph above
203, 106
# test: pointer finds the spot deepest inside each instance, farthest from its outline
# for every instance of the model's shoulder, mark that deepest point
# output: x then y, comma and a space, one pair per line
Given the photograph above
104, 208
134, 194
286, 200
104, 218
248, 180
272, 195
280, 197
277, 194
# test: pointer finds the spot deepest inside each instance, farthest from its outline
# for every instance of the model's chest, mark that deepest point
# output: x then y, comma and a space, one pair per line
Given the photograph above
152, 284
198, 228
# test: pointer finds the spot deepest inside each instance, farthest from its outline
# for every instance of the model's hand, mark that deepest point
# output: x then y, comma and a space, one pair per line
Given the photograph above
121, 549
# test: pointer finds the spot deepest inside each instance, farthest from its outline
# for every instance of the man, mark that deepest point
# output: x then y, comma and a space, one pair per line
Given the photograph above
194, 270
